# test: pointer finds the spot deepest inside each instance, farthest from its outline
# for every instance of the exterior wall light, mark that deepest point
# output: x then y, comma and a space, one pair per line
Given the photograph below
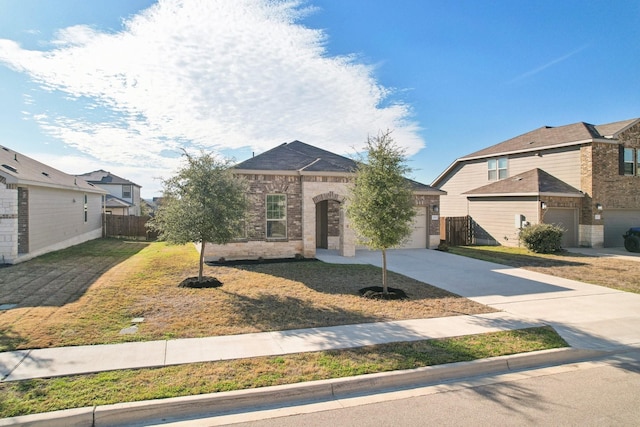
599, 206
435, 208
543, 205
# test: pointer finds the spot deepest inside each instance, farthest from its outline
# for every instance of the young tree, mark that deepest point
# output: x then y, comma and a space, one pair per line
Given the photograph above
204, 202
381, 201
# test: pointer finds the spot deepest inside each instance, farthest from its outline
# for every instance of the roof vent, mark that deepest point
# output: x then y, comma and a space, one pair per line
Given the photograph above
12, 169
45, 174
5, 148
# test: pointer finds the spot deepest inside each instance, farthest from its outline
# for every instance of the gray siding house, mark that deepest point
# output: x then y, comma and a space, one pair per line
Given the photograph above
123, 196
583, 177
297, 193
43, 209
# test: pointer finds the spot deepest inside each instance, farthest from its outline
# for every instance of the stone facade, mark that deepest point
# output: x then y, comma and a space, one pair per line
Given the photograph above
605, 186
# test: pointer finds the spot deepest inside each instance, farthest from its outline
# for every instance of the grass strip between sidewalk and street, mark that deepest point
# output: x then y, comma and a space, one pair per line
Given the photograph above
45, 395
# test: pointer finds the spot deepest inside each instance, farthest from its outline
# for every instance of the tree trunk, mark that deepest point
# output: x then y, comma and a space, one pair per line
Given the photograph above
202, 245
385, 290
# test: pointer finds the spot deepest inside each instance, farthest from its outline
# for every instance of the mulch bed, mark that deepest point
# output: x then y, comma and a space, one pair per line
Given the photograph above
206, 282
376, 292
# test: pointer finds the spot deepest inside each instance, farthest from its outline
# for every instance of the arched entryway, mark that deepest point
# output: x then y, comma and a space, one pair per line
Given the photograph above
328, 224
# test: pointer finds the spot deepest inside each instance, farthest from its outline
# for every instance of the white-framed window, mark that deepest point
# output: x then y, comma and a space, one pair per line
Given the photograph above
631, 161
497, 169
126, 191
86, 208
276, 216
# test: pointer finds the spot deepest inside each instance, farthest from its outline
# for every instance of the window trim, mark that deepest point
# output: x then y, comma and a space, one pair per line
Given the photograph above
495, 172
282, 220
634, 162
130, 196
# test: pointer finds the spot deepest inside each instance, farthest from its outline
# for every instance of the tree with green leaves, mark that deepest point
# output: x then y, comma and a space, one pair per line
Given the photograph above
204, 202
380, 204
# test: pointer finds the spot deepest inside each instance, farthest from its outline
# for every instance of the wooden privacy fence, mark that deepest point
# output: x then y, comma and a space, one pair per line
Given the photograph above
126, 226
457, 230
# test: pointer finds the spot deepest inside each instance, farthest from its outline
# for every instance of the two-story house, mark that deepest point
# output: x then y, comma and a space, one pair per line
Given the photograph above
123, 197
297, 193
583, 177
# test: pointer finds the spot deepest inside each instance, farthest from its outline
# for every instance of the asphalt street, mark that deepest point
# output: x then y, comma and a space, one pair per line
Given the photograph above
596, 393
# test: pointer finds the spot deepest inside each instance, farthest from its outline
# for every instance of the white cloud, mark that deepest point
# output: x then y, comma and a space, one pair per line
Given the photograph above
213, 74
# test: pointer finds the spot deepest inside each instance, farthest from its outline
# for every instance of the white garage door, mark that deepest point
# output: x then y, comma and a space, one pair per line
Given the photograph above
418, 238
616, 222
565, 218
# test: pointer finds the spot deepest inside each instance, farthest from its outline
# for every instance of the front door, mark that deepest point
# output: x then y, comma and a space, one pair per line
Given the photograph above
322, 224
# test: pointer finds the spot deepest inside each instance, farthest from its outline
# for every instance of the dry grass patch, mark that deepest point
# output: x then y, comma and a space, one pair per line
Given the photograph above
93, 290
604, 271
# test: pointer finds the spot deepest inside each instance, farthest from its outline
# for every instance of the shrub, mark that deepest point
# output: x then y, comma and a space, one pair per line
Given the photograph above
542, 238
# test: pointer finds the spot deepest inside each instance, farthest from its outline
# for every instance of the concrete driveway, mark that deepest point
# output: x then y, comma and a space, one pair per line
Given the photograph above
587, 316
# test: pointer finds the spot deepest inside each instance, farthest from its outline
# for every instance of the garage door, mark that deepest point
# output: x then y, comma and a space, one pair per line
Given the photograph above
418, 238
565, 218
616, 222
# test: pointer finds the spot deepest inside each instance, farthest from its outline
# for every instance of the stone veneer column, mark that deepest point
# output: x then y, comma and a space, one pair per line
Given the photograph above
347, 236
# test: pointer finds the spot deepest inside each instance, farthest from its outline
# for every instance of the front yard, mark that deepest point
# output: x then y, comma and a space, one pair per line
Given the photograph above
89, 293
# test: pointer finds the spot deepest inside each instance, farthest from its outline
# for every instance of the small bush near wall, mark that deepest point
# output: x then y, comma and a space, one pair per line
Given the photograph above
542, 238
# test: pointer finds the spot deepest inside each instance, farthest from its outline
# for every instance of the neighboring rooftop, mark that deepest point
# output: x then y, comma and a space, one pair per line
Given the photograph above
548, 136
104, 177
534, 182
16, 168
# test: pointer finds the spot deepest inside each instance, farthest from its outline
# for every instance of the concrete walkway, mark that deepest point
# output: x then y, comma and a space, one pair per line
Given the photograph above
587, 316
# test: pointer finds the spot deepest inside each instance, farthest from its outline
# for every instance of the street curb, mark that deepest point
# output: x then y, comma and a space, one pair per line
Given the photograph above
223, 402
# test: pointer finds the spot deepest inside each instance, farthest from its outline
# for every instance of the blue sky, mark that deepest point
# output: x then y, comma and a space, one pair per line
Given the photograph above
123, 85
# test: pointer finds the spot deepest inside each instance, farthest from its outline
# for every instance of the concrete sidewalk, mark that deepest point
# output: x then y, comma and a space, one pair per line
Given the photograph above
52, 362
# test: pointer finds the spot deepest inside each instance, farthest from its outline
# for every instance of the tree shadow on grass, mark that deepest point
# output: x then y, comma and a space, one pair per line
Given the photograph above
61, 277
273, 312
347, 279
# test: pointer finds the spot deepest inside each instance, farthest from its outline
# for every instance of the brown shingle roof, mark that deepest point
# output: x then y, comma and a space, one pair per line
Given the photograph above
543, 137
20, 169
535, 182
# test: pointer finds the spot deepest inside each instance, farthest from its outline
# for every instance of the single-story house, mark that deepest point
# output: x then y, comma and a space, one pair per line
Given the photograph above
583, 177
297, 193
43, 209
124, 195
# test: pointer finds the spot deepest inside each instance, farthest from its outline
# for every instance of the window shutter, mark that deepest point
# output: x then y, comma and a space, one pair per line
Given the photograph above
620, 159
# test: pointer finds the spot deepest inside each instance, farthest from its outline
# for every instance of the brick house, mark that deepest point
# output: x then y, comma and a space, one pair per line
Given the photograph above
583, 177
43, 209
123, 196
297, 192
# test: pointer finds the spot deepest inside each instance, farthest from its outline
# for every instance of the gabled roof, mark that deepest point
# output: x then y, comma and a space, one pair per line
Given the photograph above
16, 168
298, 156
419, 187
535, 182
116, 202
547, 137
103, 177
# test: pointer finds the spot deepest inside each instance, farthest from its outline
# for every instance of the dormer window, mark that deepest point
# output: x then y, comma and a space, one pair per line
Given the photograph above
497, 169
